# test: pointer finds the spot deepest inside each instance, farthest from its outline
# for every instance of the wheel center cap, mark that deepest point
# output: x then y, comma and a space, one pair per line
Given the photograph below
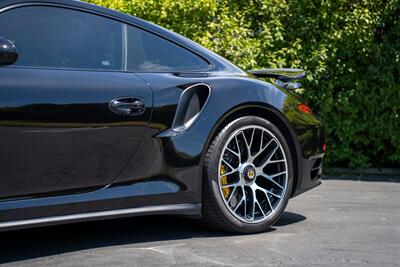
249, 173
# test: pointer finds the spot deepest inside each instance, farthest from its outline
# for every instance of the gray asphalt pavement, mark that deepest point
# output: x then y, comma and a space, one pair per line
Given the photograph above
340, 223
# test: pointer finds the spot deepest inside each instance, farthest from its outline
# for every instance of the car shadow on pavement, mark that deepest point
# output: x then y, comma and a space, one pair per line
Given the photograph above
48, 241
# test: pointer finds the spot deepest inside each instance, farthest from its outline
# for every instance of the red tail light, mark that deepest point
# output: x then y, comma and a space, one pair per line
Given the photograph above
304, 108
324, 147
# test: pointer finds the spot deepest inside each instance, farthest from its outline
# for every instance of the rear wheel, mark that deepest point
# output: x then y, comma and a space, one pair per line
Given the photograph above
248, 176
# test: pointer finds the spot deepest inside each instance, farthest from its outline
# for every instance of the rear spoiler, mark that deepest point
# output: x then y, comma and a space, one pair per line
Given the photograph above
284, 75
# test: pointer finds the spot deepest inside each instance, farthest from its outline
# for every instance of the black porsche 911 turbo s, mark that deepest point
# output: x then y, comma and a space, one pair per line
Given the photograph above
104, 115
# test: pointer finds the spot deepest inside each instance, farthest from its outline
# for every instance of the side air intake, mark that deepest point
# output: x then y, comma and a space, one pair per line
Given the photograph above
191, 103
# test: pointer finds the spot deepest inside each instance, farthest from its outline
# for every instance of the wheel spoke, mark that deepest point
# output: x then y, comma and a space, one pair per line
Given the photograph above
269, 202
276, 161
229, 165
238, 205
254, 204
259, 206
276, 174
262, 149
245, 202
230, 185
269, 178
247, 146
233, 192
275, 195
228, 173
252, 137
233, 152
270, 155
266, 191
238, 147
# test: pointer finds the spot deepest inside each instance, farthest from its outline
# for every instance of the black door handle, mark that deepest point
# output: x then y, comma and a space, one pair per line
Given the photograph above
128, 106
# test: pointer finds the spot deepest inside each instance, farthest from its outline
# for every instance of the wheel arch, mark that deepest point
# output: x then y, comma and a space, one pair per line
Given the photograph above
269, 113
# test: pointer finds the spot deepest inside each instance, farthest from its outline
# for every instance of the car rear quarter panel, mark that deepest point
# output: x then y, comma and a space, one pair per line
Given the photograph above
176, 157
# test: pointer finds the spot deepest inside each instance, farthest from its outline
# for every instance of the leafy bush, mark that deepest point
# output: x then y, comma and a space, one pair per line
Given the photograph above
350, 50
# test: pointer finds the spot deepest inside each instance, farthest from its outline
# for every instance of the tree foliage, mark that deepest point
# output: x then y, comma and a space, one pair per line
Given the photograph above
349, 48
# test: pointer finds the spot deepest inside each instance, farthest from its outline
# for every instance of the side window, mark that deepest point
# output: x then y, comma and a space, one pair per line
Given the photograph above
148, 52
52, 37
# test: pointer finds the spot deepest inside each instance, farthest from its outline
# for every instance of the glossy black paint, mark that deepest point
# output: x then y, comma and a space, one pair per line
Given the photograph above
58, 133
64, 151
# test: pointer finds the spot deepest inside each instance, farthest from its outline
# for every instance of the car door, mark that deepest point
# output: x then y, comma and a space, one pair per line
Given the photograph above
71, 116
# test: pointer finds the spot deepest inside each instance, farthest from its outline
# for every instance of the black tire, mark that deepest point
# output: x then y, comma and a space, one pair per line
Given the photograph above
214, 211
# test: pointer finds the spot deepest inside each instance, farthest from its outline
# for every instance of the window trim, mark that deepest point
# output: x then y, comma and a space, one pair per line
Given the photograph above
124, 53
124, 22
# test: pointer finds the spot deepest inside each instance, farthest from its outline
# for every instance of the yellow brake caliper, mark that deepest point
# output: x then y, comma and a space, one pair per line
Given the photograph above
224, 181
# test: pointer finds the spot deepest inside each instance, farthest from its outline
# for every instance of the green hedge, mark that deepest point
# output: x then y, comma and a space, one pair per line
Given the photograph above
350, 49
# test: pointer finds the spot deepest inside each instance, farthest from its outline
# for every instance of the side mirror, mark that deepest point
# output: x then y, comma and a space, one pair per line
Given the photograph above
8, 52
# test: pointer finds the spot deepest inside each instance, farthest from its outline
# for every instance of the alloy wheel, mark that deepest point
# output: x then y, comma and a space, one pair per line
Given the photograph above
253, 174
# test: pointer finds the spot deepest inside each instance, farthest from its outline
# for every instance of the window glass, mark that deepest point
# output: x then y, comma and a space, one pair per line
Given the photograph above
148, 52
52, 37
